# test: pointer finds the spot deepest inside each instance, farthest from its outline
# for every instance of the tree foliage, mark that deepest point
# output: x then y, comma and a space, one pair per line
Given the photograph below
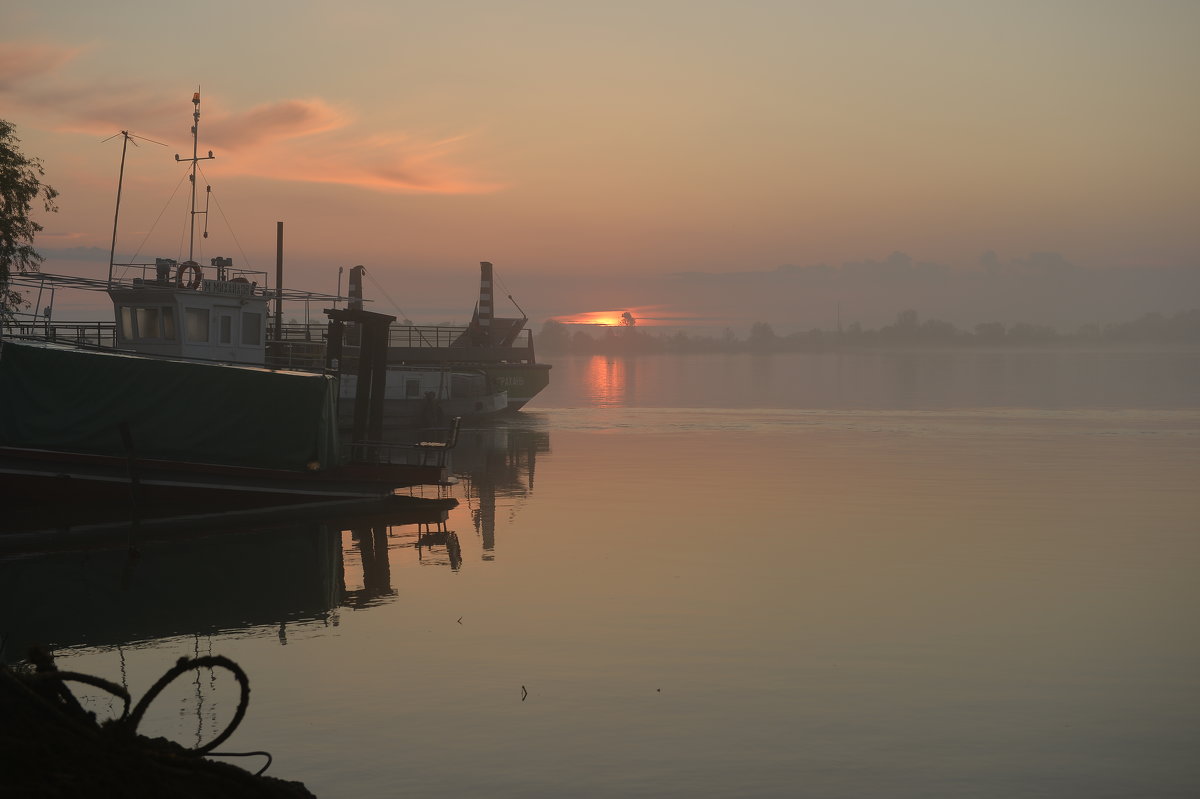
20, 187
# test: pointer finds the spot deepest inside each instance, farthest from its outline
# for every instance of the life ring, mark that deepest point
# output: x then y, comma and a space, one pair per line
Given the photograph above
184, 267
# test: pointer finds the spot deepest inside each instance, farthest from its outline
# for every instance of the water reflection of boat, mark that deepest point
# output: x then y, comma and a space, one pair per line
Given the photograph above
161, 581
376, 542
497, 460
94, 580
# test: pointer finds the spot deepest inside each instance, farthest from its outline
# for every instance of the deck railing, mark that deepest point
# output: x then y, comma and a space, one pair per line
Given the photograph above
300, 346
88, 334
409, 336
424, 453
305, 356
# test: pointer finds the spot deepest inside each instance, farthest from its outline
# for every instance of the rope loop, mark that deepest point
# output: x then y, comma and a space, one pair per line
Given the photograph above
183, 666
86, 679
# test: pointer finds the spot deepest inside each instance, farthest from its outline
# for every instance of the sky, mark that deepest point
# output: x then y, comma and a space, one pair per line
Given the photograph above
704, 162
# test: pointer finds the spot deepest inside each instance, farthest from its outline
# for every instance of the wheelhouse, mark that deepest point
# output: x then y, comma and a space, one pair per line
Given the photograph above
179, 313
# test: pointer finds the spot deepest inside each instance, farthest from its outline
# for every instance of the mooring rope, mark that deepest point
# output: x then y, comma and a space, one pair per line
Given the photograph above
87, 679
127, 723
184, 665
47, 718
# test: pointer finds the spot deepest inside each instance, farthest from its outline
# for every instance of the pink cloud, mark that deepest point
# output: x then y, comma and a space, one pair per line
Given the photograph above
310, 141
24, 61
393, 163
272, 122
301, 140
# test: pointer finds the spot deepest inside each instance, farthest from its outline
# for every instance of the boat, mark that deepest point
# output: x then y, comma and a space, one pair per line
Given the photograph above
419, 395
429, 396
181, 402
97, 426
500, 348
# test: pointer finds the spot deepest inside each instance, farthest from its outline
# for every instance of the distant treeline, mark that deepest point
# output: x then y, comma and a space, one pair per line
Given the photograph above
907, 331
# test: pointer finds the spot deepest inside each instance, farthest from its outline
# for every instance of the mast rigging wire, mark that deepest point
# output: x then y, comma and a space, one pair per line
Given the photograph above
228, 226
157, 219
375, 283
508, 293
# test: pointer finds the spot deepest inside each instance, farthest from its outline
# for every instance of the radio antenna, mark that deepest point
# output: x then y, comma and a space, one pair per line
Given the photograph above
195, 159
127, 139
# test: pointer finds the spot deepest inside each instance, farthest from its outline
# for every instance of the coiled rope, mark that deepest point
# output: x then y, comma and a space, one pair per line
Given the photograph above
126, 725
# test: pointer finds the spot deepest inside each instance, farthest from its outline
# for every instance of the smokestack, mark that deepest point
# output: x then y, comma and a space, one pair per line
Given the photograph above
355, 291
485, 299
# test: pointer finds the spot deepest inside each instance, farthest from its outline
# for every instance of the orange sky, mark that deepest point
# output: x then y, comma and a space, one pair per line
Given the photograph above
642, 138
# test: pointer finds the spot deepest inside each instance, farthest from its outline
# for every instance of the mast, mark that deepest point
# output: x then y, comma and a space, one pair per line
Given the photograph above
112, 253
195, 159
127, 139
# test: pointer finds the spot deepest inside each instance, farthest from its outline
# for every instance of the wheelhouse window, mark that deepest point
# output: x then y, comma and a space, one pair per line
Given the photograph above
195, 321
168, 324
148, 323
146, 320
226, 334
251, 329
412, 388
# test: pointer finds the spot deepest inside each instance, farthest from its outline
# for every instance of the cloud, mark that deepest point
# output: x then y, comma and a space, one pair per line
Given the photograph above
298, 140
21, 62
274, 122
35, 81
74, 254
325, 148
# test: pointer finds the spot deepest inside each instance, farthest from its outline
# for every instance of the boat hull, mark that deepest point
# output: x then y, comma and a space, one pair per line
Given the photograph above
522, 381
49, 478
434, 397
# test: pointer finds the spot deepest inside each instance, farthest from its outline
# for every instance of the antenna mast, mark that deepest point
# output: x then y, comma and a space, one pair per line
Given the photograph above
112, 253
195, 159
127, 138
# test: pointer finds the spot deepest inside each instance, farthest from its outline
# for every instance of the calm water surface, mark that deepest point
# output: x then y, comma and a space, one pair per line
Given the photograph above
938, 575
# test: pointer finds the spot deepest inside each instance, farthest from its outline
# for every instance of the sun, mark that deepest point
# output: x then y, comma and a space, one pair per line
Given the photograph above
598, 318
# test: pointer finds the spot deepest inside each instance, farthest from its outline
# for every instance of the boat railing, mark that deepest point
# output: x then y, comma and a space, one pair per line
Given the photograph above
402, 336
420, 453
423, 335
390, 453
307, 356
166, 272
87, 334
299, 331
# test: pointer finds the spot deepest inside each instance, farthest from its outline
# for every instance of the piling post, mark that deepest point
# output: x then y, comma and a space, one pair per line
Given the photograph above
279, 281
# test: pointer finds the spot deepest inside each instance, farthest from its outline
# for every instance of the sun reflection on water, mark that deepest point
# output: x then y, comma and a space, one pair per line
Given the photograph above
610, 381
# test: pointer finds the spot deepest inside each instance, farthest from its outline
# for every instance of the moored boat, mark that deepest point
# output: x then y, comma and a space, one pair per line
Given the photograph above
428, 396
181, 404
501, 348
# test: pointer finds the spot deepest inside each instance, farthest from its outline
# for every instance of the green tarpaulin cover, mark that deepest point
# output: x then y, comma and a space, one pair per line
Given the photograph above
63, 399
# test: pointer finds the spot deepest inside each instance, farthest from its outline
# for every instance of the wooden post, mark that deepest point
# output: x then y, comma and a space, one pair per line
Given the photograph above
362, 395
372, 369
378, 333
279, 281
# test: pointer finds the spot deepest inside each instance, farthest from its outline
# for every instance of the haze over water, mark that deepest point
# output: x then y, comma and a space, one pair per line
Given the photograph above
894, 575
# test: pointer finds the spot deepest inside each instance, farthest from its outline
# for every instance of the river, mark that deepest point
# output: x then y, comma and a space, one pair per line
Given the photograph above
941, 574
